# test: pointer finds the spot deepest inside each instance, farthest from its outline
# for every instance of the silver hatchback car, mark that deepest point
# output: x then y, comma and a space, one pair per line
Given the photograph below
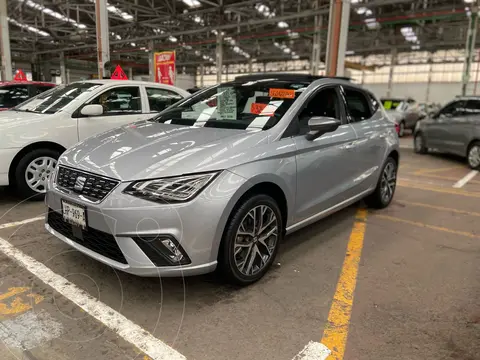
218, 179
455, 129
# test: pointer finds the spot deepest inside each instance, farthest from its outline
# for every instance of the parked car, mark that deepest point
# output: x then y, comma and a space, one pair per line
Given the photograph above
35, 133
13, 93
218, 179
454, 129
405, 112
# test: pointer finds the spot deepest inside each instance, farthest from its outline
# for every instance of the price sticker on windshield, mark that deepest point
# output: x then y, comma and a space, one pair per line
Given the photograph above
282, 93
257, 108
387, 105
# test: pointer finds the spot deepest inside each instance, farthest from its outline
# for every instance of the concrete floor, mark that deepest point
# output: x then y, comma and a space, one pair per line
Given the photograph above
417, 294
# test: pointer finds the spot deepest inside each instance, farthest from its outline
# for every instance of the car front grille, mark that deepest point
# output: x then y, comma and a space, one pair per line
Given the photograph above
94, 187
98, 241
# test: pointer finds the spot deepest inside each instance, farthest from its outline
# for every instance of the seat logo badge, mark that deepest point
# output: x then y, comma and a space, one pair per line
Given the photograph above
79, 183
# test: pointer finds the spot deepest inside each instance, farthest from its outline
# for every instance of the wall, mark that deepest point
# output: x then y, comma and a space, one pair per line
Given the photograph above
439, 92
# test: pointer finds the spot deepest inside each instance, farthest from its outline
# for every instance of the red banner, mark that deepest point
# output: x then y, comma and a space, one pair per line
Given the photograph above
164, 65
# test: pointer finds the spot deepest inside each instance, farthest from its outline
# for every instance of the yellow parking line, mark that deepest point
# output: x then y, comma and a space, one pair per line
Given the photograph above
336, 331
429, 170
432, 227
442, 208
403, 183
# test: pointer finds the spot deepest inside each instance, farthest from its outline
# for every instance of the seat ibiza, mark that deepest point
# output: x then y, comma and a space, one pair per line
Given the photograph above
216, 180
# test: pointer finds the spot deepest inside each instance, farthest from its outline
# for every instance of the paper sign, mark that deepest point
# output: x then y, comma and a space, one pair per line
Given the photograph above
227, 103
257, 108
387, 105
282, 93
119, 74
164, 65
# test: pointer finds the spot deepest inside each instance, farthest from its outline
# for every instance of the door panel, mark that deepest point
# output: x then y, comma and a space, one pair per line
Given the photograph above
325, 170
122, 105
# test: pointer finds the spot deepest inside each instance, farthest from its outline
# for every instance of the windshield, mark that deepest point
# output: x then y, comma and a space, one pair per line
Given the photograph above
247, 105
54, 100
393, 104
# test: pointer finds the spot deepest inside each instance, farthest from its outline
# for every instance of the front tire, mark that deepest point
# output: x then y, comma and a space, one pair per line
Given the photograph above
33, 171
419, 144
473, 155
251, 239
383, 194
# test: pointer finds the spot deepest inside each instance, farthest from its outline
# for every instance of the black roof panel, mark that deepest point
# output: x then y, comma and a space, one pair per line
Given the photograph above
286, 77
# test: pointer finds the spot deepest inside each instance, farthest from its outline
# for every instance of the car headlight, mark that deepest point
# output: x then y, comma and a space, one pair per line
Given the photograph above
173, 189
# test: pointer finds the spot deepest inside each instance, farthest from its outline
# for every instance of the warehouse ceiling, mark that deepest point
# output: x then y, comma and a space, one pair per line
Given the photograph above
257, 30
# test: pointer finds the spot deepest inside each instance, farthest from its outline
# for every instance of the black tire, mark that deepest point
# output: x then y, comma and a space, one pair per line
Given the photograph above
377, 200
475, 146
401, 129
226, 258
419, 144
22, 188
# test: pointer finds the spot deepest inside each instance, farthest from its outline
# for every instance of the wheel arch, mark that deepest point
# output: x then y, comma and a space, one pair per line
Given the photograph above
474, 140
33, 146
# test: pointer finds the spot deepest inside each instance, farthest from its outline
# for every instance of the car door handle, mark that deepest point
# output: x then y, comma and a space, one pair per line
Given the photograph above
349, 145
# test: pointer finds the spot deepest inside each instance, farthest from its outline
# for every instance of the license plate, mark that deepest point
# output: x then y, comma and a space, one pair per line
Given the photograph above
74, 214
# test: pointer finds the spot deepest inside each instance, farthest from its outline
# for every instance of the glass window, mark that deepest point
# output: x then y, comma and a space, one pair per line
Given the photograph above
324, 103
51, 101
243, 104
374, 101
160, 99
473, 107
11, 96
357, 105
455, 108
41, 89
120, 100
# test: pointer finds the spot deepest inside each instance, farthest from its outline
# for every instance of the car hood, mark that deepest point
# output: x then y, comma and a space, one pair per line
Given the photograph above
147, 150
14, 119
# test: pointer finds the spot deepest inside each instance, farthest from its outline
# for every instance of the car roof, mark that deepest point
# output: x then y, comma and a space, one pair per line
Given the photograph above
286, 77
467, 97
42, 83
132, 82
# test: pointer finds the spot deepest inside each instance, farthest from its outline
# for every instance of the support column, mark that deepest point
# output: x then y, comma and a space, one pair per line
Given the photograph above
317, 42
219, 56
63, 75
151, 62
469, 48
250, 66
202, 74
429, 81
103, 40
6, 70
393, 62
337, 37
68, 76
130, 73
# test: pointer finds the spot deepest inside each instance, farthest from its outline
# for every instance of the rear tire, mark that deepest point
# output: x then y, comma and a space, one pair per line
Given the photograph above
249, 247
473, 155
383, 194
419, 144
33, 171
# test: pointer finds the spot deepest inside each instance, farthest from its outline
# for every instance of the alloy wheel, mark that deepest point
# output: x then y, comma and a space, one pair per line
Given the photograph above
474, 156
389, 181
256, 240
38, 172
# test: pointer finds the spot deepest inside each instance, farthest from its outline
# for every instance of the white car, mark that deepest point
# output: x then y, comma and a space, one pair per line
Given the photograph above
36, 132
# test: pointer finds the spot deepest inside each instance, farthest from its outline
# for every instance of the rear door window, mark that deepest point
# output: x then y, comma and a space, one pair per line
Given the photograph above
473, 107
120, 101
357, 105
160, 99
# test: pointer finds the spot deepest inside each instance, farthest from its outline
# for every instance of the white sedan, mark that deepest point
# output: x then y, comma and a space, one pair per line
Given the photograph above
35, 133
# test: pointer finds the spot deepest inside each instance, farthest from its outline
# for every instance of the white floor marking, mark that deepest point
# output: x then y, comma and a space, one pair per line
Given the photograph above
112, 319
460, 183
17, 223
313, 351
29, 330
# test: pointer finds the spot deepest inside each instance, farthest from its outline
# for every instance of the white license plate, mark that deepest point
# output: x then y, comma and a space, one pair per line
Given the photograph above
74, 214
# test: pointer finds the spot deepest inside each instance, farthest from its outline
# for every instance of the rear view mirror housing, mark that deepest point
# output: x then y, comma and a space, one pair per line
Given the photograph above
92, 110
319, 125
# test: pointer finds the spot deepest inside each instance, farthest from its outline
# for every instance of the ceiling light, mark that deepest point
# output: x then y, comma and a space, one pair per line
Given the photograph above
355, 1
469, 1
114, 10
53, 13
172, 39
415, 47
133, 44
197, 19
282, 24
192, 3
295, 57
349, 52
28, 27
265, 10
361, 10
287, 50
368, 12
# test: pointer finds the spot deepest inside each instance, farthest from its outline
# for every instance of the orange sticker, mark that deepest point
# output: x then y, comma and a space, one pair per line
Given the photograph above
282, 93
257, 108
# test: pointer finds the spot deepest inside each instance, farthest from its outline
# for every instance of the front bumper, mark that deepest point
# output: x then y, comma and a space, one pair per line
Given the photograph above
6, 158
116, 223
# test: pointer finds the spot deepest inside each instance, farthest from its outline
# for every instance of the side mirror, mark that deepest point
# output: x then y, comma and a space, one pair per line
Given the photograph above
92, 110
320, 125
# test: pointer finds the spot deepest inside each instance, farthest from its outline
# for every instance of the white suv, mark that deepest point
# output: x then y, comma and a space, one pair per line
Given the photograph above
36, 132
